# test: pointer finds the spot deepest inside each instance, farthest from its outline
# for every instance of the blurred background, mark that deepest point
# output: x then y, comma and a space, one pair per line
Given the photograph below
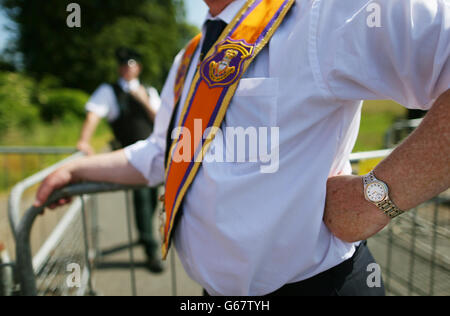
47, 73
48, 70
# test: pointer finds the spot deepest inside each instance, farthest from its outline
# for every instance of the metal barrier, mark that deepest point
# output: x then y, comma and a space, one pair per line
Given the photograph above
74, 240
412, 251
46, 273
27, 266
16, 163
6, 273
17, 192
67, 244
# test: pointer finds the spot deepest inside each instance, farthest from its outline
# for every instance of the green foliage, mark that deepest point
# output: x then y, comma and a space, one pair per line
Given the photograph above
83, 57
23, 102
376, 118
64, 104
16, 109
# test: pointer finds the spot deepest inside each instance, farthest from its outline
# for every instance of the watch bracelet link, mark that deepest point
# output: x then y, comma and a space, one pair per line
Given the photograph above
389, 208
369, 178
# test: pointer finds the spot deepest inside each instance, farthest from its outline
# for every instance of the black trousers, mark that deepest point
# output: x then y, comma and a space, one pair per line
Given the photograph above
350, 278
145, 202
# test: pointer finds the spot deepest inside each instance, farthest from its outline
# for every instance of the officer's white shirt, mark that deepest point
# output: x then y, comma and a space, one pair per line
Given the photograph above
247, 233
103, 101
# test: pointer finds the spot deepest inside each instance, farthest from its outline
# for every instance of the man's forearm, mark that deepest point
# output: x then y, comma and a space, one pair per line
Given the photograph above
416, 171
111, 167
419, 168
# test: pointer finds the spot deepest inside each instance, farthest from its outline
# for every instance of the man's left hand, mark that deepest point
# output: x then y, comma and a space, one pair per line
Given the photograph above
348, 215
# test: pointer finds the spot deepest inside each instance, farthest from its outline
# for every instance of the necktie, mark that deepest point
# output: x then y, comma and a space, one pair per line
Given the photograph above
213, 30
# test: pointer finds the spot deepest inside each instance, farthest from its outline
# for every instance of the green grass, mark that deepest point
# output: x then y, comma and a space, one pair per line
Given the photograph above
376, 118
58, 134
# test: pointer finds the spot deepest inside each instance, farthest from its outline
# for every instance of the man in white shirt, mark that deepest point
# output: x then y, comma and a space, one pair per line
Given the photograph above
298, 230
130, 110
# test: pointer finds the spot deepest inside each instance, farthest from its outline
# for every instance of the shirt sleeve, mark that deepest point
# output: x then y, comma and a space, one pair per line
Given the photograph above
385, 49
102, 102
147, 156
155, 100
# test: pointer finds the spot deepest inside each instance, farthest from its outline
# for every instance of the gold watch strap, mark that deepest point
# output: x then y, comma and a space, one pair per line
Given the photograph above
389, 208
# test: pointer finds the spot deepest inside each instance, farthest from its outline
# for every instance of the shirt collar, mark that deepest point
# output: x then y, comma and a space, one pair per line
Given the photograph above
228, 14
128, 86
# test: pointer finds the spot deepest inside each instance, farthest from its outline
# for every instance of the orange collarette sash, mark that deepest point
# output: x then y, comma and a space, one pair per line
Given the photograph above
211, 91
184, 66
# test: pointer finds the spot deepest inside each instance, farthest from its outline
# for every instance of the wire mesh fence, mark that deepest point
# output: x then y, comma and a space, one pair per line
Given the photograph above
63, 267
414, 250
62, 248
72, 245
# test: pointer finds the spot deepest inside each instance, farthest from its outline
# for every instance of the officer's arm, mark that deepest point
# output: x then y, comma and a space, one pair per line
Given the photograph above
415, 172
143, 98
89, 127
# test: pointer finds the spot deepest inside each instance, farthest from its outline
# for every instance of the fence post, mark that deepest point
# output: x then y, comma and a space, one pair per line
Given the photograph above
23, 253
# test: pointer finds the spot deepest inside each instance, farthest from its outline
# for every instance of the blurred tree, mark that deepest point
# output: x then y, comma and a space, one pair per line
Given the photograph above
84, 57
6, 65
15, 98
58, 104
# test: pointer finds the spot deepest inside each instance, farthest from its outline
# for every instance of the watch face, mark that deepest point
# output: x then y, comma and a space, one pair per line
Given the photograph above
376, 192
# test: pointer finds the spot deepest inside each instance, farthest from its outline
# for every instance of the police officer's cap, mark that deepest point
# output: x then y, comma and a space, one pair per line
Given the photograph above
124, 55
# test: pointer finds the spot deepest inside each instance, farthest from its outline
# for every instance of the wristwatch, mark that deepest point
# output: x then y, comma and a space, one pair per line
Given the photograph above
377, 192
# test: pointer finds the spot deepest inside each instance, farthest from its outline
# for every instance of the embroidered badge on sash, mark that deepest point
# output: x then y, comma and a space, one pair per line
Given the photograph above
225, 66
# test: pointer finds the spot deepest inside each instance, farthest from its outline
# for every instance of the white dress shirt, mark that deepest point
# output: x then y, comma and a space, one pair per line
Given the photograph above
244, 232
103, 101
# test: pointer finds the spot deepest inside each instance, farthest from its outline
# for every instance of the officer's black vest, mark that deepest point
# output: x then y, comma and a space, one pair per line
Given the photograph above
133, 123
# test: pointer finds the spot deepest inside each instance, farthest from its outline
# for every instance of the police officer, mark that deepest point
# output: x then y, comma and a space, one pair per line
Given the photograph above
130, 109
